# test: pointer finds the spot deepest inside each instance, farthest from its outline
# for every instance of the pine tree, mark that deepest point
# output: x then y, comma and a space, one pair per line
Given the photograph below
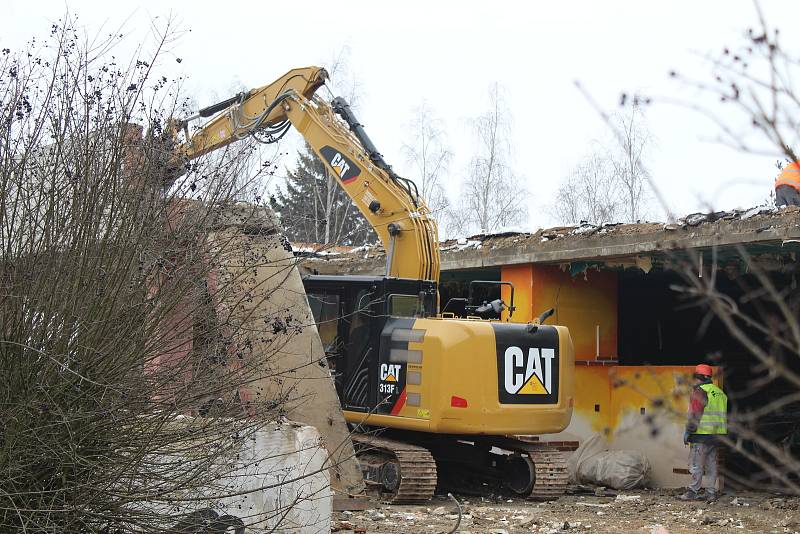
315, 209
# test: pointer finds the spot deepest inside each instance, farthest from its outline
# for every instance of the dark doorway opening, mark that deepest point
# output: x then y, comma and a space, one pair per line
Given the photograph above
661, 326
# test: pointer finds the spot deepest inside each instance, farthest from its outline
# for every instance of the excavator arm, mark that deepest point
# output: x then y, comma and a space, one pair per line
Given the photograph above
390, 203
253, 111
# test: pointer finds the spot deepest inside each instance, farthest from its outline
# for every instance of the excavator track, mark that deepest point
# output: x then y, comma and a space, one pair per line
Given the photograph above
403, 473
551, 474
550, 466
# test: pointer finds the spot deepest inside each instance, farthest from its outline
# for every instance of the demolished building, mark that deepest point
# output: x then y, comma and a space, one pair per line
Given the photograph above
269, 328
637, 334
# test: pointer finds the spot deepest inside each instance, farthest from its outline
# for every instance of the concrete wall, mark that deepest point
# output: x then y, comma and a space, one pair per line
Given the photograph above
257, 291
275, 327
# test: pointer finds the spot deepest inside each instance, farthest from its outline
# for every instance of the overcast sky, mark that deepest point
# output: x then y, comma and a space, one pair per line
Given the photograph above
448, 53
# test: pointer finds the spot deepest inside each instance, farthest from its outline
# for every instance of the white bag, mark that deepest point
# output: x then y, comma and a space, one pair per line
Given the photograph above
594, 464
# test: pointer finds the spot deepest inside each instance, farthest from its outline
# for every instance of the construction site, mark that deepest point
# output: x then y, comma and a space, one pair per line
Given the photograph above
635, 344
636, 340
173, 360
500, 368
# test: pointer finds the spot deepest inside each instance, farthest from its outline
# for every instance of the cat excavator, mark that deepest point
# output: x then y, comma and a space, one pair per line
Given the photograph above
451, 398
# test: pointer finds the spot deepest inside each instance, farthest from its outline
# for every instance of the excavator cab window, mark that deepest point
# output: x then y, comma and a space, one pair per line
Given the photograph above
326, 309
407, 306
410, 298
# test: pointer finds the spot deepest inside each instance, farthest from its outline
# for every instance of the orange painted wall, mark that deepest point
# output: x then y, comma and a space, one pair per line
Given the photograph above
522, 278
582, 303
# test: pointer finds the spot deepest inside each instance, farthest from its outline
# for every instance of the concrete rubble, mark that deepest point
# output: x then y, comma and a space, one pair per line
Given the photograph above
607, 242
276, 481
645, 512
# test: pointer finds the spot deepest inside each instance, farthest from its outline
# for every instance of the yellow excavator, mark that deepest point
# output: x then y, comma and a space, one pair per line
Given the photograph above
450, 398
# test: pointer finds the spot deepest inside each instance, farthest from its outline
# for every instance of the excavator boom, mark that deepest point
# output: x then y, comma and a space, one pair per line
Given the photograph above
390, 203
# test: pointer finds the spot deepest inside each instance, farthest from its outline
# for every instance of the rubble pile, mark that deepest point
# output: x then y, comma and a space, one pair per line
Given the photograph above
697, 229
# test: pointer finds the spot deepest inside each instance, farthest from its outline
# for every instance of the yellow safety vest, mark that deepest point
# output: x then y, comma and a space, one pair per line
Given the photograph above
715, 414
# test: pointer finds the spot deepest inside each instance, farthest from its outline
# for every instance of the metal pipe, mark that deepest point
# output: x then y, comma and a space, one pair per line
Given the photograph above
390, 256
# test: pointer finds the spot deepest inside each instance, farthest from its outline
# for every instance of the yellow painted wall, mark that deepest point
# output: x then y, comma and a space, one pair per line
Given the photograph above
617, 390
663, 388
592, 388
582, 303
620, 393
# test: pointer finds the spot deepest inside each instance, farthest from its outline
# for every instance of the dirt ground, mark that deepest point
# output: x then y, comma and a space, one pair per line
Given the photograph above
645, 511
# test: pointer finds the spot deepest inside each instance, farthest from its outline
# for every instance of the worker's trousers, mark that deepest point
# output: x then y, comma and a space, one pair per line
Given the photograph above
703, 459
786, 195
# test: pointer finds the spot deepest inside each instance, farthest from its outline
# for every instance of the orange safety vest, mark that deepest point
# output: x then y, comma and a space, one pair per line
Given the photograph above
790, 175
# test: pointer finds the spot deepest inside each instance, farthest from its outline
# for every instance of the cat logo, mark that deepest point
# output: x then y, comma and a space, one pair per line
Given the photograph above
346, 169
528, 374
527, 364
390, 372
340, 164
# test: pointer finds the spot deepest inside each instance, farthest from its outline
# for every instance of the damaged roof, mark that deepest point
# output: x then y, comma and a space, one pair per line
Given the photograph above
767, 226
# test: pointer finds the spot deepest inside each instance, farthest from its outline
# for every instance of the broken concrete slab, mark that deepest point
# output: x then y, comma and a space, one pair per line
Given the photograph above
610, 242
274, 323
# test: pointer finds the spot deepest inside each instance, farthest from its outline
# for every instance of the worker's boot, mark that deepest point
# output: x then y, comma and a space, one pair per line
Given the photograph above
690, 496
711, 495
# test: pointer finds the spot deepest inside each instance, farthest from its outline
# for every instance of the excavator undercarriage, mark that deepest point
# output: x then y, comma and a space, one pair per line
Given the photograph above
410, 469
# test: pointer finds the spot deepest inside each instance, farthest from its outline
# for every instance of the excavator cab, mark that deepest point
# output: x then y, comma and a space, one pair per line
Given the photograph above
352, 313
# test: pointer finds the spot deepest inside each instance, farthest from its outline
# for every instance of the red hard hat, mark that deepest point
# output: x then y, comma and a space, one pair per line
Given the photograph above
703, 369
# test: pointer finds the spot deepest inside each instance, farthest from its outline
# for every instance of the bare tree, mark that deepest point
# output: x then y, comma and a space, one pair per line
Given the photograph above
127, 368
344, 81
428, 154
627, 157
755, 82
492, 195
611, 183
589, 193
332, 217
759, 306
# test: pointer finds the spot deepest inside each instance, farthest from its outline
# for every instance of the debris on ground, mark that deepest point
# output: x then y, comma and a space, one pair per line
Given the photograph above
643, 512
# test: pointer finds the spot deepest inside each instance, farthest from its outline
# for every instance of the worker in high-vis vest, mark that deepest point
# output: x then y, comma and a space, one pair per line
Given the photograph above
707, 420
787, 186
